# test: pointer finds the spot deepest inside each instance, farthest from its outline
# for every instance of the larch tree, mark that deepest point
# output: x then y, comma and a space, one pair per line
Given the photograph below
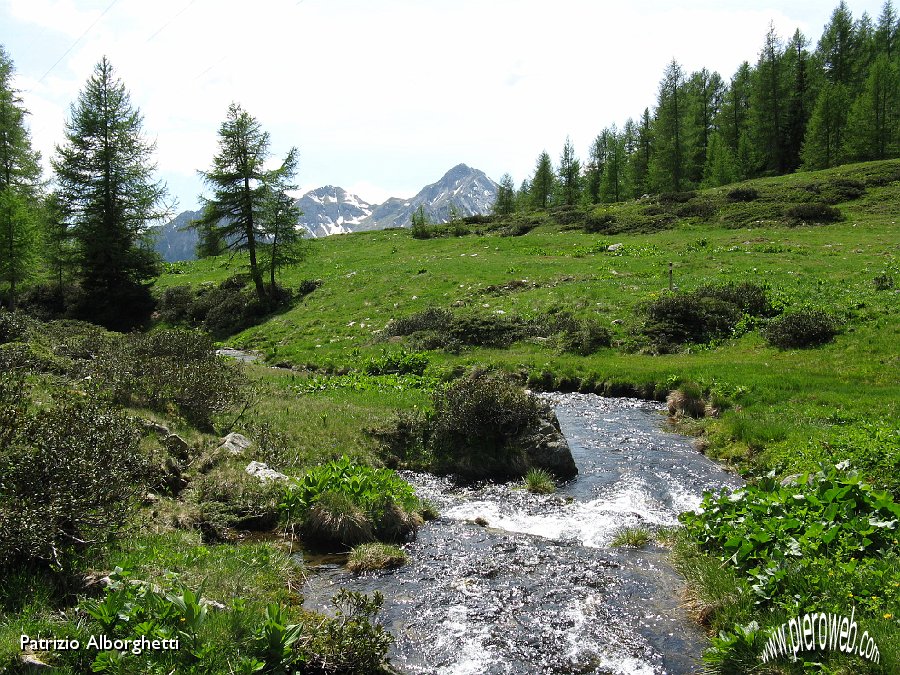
569, 175
667, 164
19, 187
285, 243
236, 214
105, 177
542, 183
505, 204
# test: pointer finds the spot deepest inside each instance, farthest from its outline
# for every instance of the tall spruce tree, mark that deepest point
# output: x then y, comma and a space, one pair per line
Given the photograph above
639, 160
105, 177
235, 213
19, 187
873, 124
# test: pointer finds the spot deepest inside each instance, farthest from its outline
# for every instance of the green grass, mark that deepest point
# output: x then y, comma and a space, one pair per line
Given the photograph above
632, 537
784, 404
539, 481
375, 556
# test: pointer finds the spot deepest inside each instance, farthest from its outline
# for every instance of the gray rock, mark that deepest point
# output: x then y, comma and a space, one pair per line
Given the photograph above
262, 471
546, 448
176, 446
156, 428
234, 444
614, 247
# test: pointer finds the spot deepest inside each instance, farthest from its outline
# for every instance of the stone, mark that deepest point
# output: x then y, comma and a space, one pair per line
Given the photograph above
262, 471
176, 446
614, 247
235, 444
156, 428
546, 448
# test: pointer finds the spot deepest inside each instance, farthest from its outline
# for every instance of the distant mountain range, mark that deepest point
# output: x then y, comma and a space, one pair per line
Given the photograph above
332, 210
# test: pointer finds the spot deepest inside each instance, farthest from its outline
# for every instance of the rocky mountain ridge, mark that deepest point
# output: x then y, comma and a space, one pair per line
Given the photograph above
332, 210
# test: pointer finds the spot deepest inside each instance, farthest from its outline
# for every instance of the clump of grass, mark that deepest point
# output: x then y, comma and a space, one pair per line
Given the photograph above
375, 556
686, 401
539, 481
335, 518
632, 537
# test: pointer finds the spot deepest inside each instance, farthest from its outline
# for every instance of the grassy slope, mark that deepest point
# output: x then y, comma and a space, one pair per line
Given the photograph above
793, 408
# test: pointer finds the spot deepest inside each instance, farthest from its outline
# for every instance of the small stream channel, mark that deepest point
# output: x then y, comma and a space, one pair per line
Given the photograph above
540, 589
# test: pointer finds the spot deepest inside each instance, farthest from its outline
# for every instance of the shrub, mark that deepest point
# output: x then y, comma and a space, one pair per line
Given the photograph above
430, 318
307, 286
705, 314
402, 363
375, 556
815, 212
803, 328
743, 194
750, 298
335, 518
581, 336
70, 475
170, 367
883, 282
476, 421
13, 326
539, 481
679, 318
599, 223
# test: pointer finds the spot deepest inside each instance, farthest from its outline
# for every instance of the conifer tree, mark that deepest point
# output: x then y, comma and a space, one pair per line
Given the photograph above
236, 214
873, 125
569, 175
824, 143
19, 187
768, 104
105, 177
543, 182
285, 243
505, 204
667, 165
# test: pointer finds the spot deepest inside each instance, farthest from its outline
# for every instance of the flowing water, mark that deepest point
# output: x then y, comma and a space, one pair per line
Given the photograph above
539, 589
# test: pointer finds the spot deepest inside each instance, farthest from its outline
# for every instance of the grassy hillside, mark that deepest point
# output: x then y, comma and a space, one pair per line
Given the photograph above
786, 410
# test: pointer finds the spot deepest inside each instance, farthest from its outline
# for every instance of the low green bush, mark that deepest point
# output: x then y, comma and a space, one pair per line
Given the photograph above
702, 315
476, 422
799, 329
815, 212
743, 194
632, 537
70, 473
579, 336
166, 368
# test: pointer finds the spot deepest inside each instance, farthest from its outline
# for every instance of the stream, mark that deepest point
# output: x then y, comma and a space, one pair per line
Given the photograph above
539, 589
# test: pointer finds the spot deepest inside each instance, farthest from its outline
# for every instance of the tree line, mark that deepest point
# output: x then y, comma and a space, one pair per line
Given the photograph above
85, 235
795, 108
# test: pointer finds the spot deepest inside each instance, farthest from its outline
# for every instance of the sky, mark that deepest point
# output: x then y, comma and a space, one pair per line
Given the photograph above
381, 97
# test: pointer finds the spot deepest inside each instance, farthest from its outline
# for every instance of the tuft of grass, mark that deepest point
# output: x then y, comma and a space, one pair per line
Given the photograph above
539, 481
632, 537
375, 556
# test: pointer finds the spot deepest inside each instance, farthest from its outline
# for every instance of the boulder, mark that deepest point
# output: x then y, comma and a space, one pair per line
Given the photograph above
263, 472
234, 444
546, 448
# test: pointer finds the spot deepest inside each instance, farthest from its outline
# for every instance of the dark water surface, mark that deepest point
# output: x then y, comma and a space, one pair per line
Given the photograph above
540, 590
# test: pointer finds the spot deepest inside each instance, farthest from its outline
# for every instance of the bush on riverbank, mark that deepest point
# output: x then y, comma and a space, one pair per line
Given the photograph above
375, 556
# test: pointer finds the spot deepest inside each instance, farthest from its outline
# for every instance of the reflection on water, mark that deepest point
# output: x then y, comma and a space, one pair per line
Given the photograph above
539, 589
